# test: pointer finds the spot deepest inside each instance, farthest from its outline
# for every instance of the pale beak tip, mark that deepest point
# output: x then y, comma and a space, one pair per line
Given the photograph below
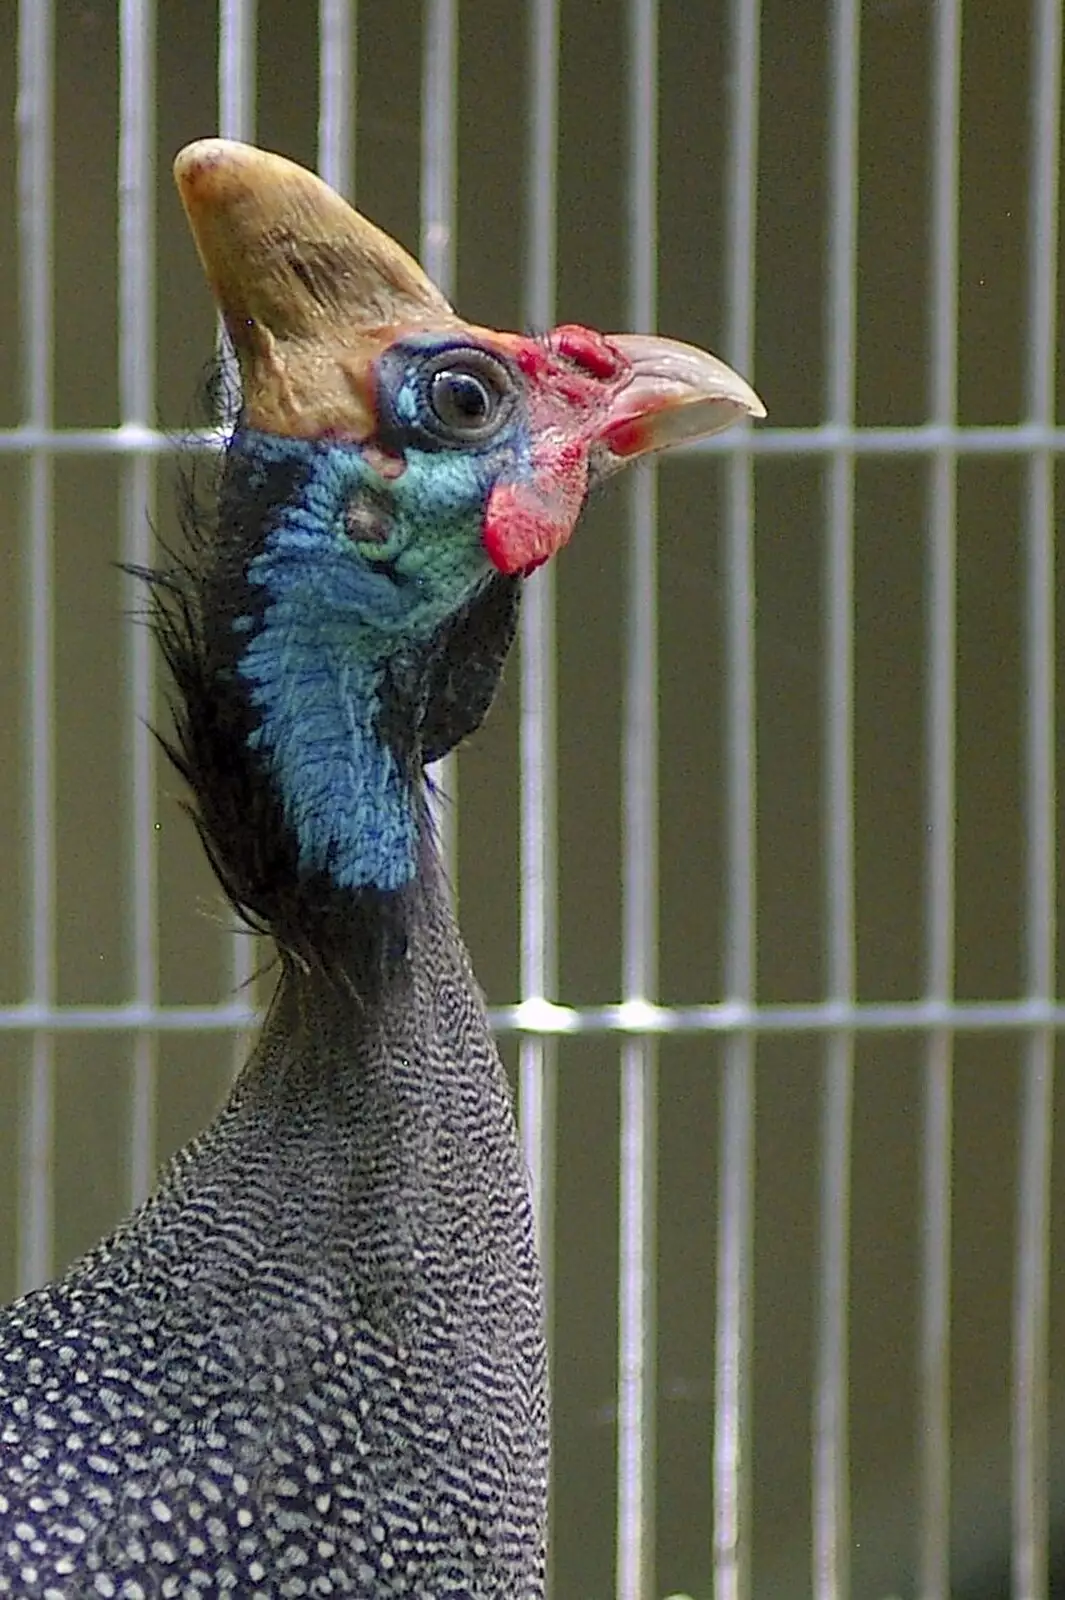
677, 394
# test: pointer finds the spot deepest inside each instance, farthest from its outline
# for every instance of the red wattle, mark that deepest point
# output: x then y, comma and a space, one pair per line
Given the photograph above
525, 524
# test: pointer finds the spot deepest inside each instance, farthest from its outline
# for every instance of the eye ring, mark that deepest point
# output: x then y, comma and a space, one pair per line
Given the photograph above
468, 395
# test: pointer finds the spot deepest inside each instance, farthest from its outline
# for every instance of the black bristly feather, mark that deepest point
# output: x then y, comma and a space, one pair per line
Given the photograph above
432, 698
457, 672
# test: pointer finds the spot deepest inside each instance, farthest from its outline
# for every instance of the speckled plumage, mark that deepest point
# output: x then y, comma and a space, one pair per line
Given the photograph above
313, 1363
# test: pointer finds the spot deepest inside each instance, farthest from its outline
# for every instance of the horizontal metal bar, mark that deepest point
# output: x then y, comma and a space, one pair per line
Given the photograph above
132, 438
126, 1019
736, 1016
634, 1017
1025, 438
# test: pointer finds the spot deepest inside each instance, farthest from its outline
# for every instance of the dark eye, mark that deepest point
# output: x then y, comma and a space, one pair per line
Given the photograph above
469, 395
444, 397
462, 400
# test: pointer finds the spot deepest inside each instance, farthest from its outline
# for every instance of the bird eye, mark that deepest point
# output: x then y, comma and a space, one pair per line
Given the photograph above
469, 395
445, 397
462, 401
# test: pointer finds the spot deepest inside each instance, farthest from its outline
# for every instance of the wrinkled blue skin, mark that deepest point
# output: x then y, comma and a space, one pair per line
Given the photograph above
336, 609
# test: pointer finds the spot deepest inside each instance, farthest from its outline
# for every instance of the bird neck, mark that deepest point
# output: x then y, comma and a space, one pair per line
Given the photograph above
370, 1152
349, 795
385, 1125
317, 673
322, 634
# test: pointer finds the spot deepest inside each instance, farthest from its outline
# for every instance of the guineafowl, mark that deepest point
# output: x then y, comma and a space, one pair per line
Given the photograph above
313, 1362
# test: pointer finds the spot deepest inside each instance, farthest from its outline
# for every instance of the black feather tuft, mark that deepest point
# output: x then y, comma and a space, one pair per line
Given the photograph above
454, 679
352, 937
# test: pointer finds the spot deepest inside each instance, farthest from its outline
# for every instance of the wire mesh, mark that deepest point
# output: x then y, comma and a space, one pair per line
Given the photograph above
544, 1013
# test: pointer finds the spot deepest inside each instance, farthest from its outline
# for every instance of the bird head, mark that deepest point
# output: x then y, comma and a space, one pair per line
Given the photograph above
396, 471
342, 338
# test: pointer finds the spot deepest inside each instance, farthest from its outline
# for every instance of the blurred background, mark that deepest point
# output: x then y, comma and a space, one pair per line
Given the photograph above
775, 767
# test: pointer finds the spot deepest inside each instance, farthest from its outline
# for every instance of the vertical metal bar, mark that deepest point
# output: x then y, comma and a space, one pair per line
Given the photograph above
439, 142
236, 120
236, 69
638, 1177
35, 133
735, 1245
636, 1329
933, 1399
336, 94
1031, 1291
439, 153
1030, 1319
136, 358
831, 1491
831, 1483
539, 773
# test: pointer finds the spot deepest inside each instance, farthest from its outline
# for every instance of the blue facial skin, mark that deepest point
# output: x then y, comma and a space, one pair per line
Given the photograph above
336, 608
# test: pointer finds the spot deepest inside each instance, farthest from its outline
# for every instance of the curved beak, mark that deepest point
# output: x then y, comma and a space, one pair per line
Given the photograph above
677, 392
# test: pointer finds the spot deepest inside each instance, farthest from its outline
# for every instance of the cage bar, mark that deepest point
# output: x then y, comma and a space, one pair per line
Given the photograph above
236, 120
1031, 1390
933, 1383
636, 1464
926, 439
35, 138
236, 69
723, 1019
438, 209
136, 358
635, 1020
439, 136
336, 94
732, 1466
537, 1059
831, 1477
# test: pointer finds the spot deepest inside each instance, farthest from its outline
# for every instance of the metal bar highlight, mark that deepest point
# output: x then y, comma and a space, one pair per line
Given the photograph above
927, 439
440, 53
1031, 1396
933, 1381
831, 1486
732, 1465
236, 120
36, 170
548, 1021
136, 359
635, 1549
336, 94
537, 1063
236, 69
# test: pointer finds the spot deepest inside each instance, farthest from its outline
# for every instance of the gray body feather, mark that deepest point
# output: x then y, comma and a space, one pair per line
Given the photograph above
313, 1363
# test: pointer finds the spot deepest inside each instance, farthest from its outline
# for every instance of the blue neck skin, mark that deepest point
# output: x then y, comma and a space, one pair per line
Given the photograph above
334, 611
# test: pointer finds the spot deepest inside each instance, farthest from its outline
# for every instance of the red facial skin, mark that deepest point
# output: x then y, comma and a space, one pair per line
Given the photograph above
574, 378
